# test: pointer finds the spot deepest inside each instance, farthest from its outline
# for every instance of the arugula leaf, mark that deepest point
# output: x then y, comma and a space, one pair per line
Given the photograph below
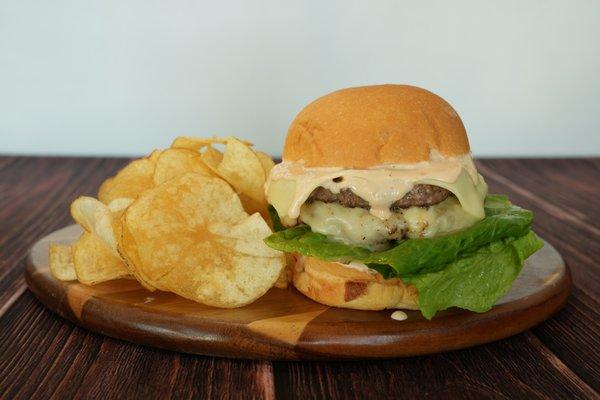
475, 282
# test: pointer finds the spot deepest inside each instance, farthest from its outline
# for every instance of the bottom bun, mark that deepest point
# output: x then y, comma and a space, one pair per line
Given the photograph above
337, 285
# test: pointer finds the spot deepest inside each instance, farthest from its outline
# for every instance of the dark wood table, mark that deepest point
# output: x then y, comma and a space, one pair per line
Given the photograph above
42, 355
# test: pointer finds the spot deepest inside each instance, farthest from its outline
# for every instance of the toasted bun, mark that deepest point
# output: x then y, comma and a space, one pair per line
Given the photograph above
369, 126
335, 285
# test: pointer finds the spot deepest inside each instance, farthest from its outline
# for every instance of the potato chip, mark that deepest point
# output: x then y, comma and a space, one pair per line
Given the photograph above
212, 158
266, 162
196, 143
61, 262
131, 181
191, 236
246, 233
174, 221
117, 206
104, 190
95, 217
128, 253
226, 284
252, 206
94, 262
129, 235
243, 170
100, 223
153, 157
176, 162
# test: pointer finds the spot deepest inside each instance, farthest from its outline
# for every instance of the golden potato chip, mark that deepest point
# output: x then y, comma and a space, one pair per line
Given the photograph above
117, 206
105, 189
228, 283
196, 143
267, 164
61, 262
147, 206
191, 236
94, 262
131, 181
243, 170
245, 233
95, 217
128, 253
252, 206
153, 157
266, 161
176, 162
100, 223
212, 158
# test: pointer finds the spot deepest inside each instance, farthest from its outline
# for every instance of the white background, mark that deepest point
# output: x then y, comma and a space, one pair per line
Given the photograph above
123, 77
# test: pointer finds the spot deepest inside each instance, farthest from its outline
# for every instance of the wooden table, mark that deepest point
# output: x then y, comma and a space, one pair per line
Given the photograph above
42, 356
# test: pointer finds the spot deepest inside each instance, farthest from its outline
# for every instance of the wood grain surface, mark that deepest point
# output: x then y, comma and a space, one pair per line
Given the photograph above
285, 325
43, 356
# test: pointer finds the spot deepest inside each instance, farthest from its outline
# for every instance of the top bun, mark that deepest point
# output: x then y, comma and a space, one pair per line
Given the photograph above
370, 126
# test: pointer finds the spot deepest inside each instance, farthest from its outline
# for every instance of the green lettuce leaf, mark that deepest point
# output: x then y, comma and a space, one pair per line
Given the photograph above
503, 220
302, 240
470, 269
475, 282
277, 225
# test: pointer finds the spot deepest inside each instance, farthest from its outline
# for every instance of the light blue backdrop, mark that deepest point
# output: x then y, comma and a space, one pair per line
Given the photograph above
123, 77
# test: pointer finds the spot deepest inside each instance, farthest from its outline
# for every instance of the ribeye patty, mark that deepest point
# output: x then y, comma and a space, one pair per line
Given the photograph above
420, 196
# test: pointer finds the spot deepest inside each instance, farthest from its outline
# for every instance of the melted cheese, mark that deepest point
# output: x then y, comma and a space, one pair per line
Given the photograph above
290, 184
356, 226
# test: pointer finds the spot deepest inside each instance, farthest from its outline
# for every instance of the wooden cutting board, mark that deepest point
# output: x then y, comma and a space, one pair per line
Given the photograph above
284, 324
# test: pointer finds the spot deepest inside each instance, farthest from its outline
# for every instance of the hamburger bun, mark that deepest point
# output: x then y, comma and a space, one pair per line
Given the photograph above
333, 284
371, 126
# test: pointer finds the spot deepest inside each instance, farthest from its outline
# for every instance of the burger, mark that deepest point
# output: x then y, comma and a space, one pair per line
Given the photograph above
380, 206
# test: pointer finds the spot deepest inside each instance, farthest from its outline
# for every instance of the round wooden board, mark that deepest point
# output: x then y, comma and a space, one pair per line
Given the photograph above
284, 324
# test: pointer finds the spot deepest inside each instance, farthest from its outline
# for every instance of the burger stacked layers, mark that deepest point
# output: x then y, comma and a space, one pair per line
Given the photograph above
381, 206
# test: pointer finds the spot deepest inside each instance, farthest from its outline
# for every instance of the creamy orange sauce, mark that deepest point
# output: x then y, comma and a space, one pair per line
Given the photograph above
380, 186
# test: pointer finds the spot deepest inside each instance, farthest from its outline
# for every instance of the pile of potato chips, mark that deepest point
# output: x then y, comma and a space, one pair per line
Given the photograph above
189, 219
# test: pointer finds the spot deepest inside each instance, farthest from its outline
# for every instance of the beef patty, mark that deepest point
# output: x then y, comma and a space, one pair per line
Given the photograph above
420, 196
